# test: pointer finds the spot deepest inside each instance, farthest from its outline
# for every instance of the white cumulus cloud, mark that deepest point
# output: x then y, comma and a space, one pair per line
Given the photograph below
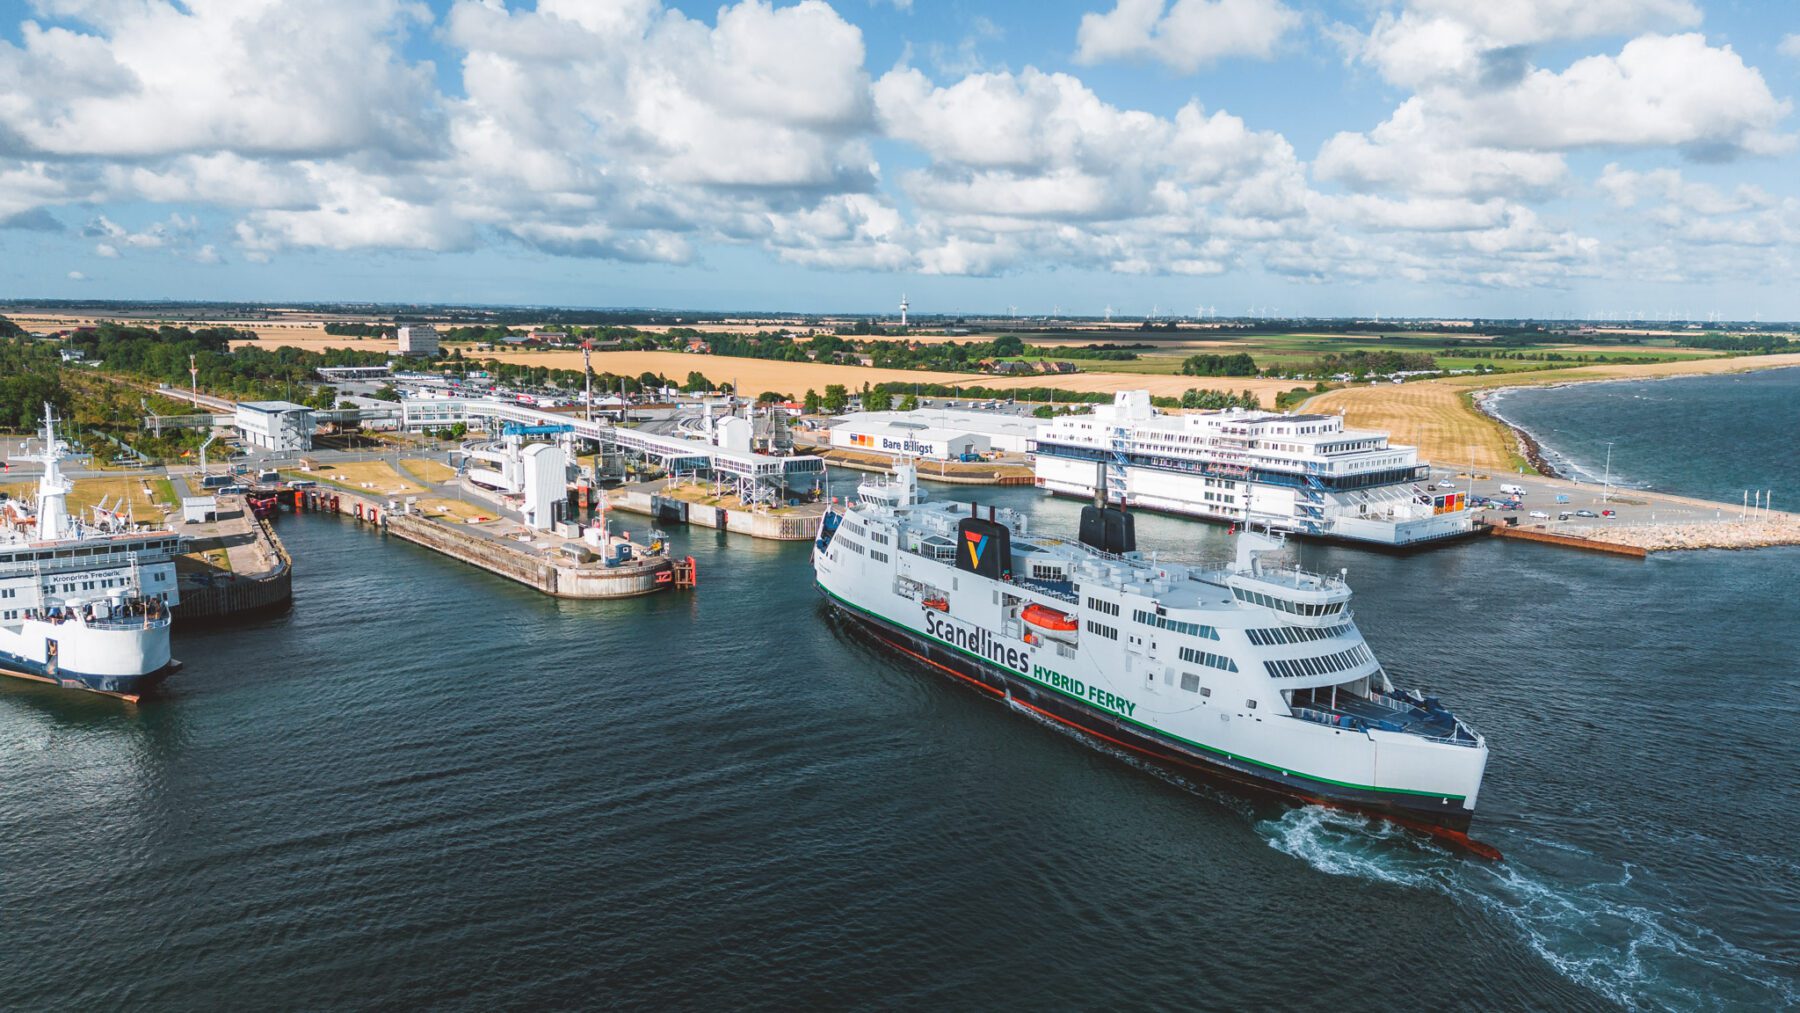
1186, 34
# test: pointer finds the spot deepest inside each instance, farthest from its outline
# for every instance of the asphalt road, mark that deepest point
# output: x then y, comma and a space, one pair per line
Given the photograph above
1631, 506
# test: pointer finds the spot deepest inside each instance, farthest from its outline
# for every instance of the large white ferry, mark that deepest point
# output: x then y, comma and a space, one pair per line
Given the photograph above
1256, 674
83, 604
1305, 474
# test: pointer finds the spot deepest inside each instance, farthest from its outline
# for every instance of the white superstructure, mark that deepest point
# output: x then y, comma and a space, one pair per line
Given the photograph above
1300, 473
1255, 674
84, 604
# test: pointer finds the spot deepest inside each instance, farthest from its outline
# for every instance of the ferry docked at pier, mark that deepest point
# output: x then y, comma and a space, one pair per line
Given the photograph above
1254, 675
1303, 474
84, 604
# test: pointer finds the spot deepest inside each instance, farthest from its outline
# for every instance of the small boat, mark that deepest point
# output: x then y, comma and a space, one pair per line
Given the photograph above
941, 604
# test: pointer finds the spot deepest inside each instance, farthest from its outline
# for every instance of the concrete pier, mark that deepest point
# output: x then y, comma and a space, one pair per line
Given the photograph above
1641, 520
257, 575
540, 563
782, 524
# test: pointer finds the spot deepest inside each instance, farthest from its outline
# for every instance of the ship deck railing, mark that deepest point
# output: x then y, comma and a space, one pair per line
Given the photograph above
1358, 714
128, 623
1060, 590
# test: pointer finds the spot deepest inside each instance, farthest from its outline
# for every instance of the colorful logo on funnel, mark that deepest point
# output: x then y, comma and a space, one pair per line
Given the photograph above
977, 545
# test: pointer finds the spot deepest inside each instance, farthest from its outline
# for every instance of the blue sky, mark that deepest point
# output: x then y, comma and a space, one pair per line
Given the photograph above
1431, 157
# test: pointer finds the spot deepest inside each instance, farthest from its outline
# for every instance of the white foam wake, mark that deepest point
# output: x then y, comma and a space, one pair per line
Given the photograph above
1591, 921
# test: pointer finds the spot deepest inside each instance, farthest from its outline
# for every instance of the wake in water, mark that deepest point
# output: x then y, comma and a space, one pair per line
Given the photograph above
1592, 922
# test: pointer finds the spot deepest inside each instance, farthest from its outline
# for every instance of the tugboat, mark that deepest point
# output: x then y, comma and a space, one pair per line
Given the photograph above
84, 605
1256, 675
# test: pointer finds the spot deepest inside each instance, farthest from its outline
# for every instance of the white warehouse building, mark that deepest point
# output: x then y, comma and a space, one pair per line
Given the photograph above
941, 433
280, 426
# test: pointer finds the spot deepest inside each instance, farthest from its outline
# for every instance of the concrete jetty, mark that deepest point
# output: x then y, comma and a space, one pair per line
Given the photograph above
236, 566
552, 564
692, 505
1639, 519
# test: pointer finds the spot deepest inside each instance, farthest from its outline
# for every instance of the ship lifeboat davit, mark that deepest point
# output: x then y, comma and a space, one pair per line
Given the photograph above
941, 604
1049, 622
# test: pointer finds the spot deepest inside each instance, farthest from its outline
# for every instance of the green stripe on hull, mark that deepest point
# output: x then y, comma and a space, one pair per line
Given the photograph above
1163, 733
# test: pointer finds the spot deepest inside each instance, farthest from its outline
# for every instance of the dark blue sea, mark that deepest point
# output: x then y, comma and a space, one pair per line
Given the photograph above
1716, 437
427, 786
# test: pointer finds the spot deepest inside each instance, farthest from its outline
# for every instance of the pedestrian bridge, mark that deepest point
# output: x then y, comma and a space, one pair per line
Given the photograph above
675, 453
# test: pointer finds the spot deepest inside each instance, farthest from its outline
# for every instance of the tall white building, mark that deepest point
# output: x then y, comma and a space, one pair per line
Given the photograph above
418, 339
1301, 473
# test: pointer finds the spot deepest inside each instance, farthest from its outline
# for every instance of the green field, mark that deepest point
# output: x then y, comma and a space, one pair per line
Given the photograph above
1276, 350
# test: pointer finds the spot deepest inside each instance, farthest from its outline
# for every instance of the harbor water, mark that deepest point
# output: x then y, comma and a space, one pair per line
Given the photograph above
1714, 437
429, 785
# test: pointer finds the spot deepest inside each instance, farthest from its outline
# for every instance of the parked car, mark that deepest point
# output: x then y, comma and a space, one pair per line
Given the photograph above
1584, 512
1609, 513
1565, 515
1542, 515
1446, 484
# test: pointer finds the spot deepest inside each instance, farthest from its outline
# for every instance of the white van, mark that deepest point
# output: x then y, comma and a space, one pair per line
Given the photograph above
1513, 490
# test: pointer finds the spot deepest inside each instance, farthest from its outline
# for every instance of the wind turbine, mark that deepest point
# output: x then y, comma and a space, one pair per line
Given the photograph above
904, 306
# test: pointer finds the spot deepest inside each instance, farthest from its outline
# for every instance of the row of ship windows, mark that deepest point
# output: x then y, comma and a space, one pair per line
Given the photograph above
1282, 604
1164, 622
878, 556
878, 538
1209, 659
848, 544
58, 555
1105, 631
1295, 634
1109, 607
853, 526
1297, 668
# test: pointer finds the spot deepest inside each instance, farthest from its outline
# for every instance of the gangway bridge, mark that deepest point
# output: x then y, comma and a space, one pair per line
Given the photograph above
750, 471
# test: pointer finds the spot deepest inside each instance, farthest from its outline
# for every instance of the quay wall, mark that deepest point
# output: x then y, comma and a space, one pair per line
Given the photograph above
237, 594
550, 576
1568, 541
775, 527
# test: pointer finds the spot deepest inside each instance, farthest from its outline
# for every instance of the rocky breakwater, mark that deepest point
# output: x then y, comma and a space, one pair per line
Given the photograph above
1733, 533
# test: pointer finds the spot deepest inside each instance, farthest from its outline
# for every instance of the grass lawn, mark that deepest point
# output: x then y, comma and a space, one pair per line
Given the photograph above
366, 477
457, 510
428, 472
148, 497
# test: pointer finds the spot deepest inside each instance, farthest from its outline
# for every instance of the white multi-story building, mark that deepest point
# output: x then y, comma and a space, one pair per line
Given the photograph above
280, 426
1301, 473
418, 339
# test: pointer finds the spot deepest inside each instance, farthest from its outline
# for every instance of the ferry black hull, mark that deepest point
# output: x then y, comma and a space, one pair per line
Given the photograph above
1430, 814
123, 687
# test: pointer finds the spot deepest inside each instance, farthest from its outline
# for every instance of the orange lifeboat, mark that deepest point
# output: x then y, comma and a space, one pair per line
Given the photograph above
1050, 622
941, 604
